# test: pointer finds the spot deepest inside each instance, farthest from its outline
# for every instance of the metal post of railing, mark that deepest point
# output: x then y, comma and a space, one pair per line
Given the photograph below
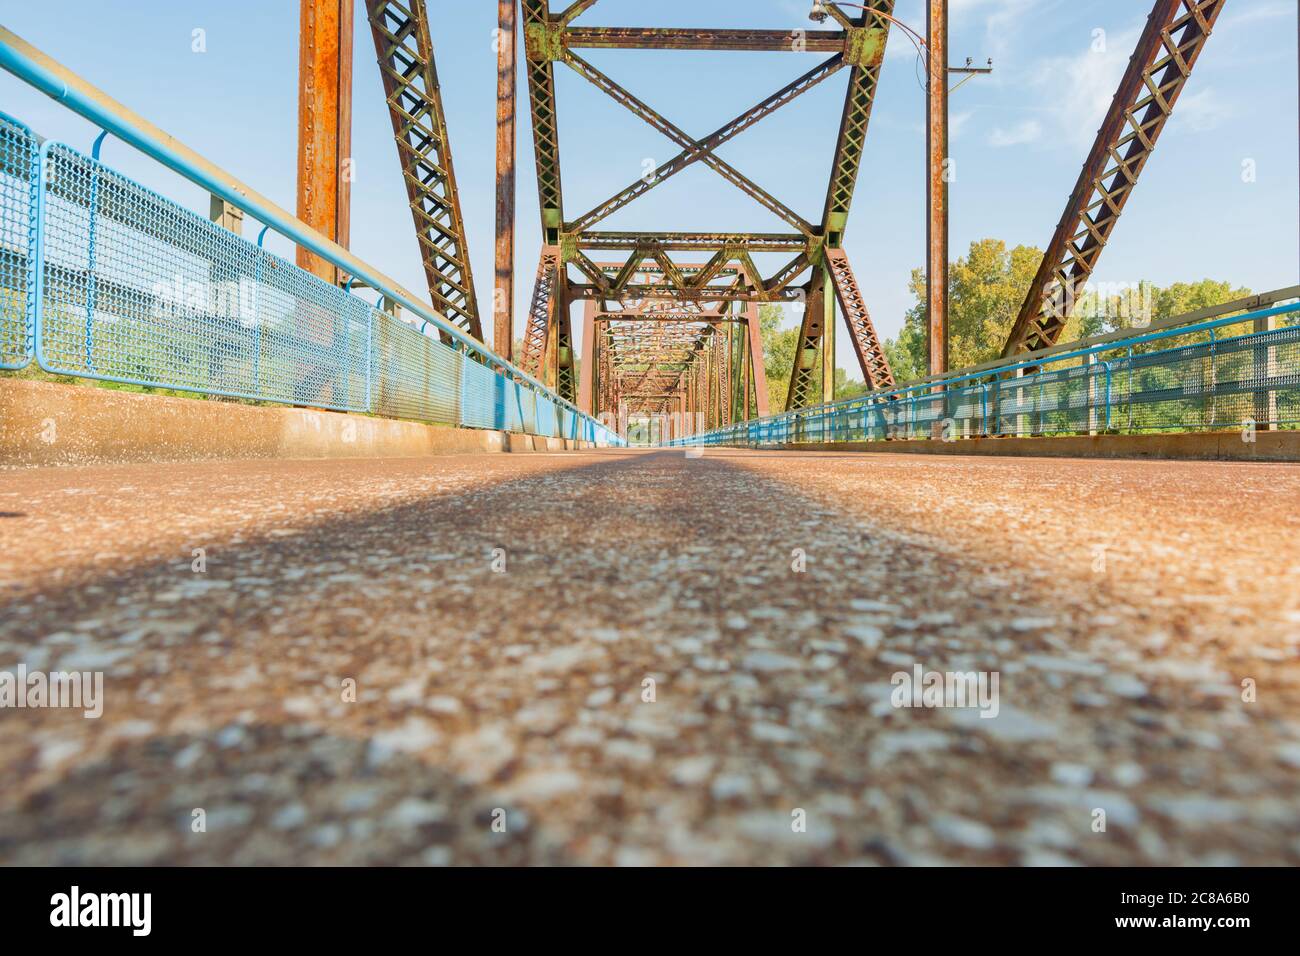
92, 277
1212, 398
1090, 392
1263, 370
1106, 365
1130, 388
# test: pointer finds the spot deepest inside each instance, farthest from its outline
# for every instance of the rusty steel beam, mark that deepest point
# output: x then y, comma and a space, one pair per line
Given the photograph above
324, 125
574, 10
404, 51
503, 292
753, 328
851, 141
936, 189
695, 241
580, 291
541, 313
805, 383
866, 344
667, 38
1157, 73
560, 358
588, 368
539, 52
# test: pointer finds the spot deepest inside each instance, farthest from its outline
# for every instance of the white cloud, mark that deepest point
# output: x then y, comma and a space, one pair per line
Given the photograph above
1259, 10
1201, 111
1025, 132
957, 122
1080, 87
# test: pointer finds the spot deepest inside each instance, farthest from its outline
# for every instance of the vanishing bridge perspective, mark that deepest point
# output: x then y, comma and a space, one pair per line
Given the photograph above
300, 565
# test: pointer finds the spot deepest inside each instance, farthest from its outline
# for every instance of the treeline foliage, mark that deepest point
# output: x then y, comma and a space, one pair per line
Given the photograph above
986, 289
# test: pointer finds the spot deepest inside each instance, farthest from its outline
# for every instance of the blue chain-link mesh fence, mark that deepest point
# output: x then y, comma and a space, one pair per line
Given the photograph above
134, 288
1214, 375
19, 172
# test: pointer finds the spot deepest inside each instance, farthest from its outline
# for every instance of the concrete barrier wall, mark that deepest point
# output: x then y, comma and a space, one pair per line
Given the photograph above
1213, 446
43, 423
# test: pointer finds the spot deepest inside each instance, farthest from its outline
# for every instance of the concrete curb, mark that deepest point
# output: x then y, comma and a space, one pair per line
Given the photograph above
1206, 446
44, 423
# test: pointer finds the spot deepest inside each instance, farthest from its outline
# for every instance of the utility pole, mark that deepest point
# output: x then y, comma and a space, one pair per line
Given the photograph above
503, 294
324, 125
936, 139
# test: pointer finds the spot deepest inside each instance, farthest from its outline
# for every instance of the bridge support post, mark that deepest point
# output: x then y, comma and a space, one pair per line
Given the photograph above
753, 325
1263, 369
828, 337
1090, 365
587, 369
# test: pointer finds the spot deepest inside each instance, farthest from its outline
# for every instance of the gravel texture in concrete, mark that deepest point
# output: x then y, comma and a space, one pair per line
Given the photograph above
643, 657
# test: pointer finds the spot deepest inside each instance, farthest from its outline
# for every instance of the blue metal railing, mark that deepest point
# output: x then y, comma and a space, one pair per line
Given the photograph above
19, 166
1147, 382
103, 278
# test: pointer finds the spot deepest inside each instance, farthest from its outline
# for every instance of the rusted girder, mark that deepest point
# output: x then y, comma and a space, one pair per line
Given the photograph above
805, 377
667, 38
541, 95
695, 241
866, 344
1157, 72
541, 313
406, 66
852, 138
578, 292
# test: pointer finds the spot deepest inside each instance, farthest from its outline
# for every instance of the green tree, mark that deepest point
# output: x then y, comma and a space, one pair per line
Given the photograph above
778, 353
985, 291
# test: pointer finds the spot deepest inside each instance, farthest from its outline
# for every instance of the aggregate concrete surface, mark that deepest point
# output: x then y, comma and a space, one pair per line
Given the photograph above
506, 621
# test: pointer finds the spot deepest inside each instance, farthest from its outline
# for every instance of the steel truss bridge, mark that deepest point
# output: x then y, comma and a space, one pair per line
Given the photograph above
670, 319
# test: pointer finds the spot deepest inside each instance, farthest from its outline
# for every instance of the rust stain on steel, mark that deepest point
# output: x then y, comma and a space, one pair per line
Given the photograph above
324, 124
666, 38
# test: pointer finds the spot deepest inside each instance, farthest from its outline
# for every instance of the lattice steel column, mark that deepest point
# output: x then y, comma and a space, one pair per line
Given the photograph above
805, 383
753, 326
410, 78
541, 313
869, 35
542, 47
1173, 39
866, 344
587, 372
560, 359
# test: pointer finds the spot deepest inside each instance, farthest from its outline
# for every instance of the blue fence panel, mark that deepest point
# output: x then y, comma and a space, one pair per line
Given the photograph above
482, 396
137, 289
413, 375
103, 278
1213, 380
19, 184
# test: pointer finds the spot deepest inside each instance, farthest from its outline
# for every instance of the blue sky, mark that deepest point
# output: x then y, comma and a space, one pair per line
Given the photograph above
1019, 135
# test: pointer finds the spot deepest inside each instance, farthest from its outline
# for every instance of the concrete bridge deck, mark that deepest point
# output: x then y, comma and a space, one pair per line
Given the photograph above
1122, 604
